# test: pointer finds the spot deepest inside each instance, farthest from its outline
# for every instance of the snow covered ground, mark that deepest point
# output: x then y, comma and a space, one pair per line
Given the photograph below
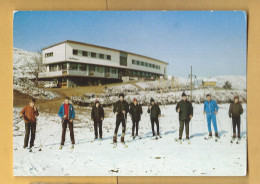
143, 157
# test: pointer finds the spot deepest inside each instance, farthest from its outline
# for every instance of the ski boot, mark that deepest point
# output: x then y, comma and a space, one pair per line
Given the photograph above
61, 146
216, 137
123, 139
72, 146
114, 139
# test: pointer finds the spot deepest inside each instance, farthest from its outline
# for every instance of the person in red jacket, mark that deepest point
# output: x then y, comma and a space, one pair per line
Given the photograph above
29, 114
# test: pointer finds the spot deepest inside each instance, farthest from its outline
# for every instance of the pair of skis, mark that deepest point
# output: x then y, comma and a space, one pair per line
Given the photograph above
123, 143
210, 137
61, 147
157, 137
180, 141
234, 140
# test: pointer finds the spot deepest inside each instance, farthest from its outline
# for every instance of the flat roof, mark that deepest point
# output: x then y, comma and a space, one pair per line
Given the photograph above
107, 48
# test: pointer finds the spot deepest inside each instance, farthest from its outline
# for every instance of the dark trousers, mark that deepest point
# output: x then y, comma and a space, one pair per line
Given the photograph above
236, 124
156, 121
182, 123
135, 126
65, 123
120, 120
98, 128
30, 128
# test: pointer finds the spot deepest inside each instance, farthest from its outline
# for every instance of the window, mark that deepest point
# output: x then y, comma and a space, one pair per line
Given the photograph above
73, 66
50, 54
108, 57
92, 68
100, 69
150, 65
159, 67
138, 62
63, 66
84, 53
123, 60
113, 70
142, 63
53, 68
153, 65
93, 54
75, 52
101, 56
82, 67
146, 64
133, 62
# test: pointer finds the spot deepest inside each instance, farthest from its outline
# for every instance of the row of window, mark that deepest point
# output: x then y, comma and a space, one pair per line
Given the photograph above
50, 54
90, 54
136, 62
81, 67
142, 74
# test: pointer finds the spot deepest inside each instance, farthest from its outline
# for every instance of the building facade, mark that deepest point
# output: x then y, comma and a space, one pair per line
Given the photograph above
74, 63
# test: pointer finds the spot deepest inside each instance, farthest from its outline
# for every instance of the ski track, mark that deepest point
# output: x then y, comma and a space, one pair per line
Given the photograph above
143, 157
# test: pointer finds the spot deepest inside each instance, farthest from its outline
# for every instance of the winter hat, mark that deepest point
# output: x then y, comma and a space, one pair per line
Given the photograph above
152, 100
134, 99
122, 94
183, 94
97, 102
208, 95
236, 97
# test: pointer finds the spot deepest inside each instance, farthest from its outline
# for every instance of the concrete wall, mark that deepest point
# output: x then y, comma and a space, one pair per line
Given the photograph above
58, 54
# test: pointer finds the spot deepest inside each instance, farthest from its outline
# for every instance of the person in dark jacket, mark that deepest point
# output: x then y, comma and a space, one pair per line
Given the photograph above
185, 110
97, 115
155, 114
121, 108
29, 113
235, 110
135, 112
67, 115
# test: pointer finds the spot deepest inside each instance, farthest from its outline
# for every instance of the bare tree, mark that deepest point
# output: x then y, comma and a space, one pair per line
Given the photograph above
36, 66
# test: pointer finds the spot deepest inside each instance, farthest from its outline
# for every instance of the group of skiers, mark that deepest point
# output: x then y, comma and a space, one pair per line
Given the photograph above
121, 108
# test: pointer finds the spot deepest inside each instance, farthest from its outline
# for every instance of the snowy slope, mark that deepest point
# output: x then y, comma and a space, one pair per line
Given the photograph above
21, 59
144, 157
21, 75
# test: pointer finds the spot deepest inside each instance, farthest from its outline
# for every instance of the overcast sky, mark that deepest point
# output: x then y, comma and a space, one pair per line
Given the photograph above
213, 42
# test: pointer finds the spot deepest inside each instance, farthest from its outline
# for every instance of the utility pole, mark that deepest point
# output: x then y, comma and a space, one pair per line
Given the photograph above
191, 84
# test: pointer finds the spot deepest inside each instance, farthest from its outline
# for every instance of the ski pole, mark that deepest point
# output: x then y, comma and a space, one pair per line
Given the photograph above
191, 128
241, 125
231, 127
205, 123
219, 123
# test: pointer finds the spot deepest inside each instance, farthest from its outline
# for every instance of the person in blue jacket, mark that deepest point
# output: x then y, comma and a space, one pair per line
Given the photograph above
211, 110
67, 114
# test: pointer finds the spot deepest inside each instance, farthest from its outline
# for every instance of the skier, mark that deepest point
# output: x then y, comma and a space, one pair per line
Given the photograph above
29, 114
121, 108
67, 114
235, 110
155, 114
211, 110
135, 112
97, 115
185, 110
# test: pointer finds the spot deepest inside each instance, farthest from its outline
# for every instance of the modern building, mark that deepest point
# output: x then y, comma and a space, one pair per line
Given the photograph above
209, 82
74, 63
